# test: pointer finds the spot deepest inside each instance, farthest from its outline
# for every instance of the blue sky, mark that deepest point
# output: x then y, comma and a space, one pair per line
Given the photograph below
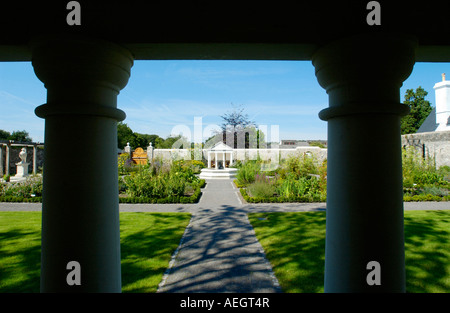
165, 96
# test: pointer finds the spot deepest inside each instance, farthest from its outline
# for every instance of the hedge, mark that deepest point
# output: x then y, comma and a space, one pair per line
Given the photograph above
238, 185
425, 198
174, 199
249, 199
279, 199
19, 199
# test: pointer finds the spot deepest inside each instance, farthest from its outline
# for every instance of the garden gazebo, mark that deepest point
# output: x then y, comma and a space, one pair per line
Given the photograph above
220, 151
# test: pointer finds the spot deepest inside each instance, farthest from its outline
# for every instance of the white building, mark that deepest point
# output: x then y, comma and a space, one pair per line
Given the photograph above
433, 136
439, 118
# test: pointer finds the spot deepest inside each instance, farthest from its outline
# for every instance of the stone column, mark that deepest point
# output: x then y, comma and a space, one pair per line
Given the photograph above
362, 76
34, 159
1, 161
8, 152
80, 209
215, 160
150, 153
209, 159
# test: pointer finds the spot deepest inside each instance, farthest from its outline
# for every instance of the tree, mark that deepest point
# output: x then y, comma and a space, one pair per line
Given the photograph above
420, 109
17, 135
176, 142
236, 118
124, 135
148, 138
4, 135
238, 130
20, 135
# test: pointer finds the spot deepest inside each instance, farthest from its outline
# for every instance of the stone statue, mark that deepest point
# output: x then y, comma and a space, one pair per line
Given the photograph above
150, 153
23, 156
22, 166
128, 148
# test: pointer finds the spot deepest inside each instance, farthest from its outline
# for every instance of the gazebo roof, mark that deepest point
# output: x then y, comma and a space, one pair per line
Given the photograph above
220, 146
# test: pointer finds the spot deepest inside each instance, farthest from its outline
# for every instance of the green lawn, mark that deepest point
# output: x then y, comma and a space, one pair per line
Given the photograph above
147, 243
295, 245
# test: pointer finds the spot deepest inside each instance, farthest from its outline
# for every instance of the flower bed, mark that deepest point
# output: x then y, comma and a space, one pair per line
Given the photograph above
302, 178
161, 182
421, 180
298, 179
29, 190
194, 198
173, 182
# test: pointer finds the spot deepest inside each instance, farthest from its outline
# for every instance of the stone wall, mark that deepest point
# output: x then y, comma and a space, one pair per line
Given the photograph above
172, 154
434, 144
244, 154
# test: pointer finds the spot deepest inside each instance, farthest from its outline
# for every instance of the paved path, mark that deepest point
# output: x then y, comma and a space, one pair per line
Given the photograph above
219, 251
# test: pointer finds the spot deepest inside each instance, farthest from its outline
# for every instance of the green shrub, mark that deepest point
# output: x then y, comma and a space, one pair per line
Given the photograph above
434, 191
30, 188
304, 186
201, 183
301, 165
139, 184
261, 189
161, 183
300, 178
238, 184
444, 170
423, 197
122, 159
281, 199
247, 172
169, 199
193, 165
19, 199
175, 185
144, 184
418, 171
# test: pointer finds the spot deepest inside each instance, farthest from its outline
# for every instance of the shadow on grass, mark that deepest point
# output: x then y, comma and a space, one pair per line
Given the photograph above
427, 251
147, 244
20, 260
295, 244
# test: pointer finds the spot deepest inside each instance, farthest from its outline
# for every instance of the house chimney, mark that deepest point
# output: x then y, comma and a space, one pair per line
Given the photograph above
442, 92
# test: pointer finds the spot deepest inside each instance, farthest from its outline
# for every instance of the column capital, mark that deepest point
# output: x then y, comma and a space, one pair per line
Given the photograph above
91, 71
67, 59
365, 71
